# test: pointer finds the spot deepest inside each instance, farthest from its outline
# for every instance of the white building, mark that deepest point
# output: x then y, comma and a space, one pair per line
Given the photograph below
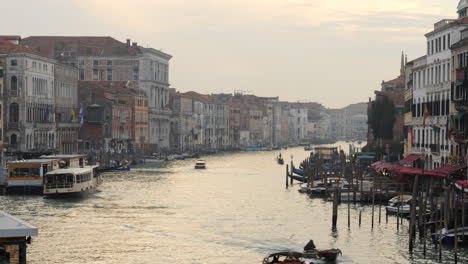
431, 90
30, 102
297, 123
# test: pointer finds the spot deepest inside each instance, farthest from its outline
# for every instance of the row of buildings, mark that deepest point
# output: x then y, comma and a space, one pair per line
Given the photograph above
431, 97
97, 94
80, 94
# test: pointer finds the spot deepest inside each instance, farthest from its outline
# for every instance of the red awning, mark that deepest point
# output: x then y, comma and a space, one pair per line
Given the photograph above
447, 169
462, 185
410, 159
416, 171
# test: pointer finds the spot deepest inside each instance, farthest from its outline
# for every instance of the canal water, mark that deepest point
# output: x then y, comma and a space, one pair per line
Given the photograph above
236, 211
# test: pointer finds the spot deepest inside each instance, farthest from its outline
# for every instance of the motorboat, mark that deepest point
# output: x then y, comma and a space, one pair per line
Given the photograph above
280, 160
400, 204
304, 188
308, 148
200, 164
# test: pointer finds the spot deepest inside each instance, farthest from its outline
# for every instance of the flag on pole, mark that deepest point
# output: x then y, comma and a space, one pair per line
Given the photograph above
426, 115
72, 116
81, 115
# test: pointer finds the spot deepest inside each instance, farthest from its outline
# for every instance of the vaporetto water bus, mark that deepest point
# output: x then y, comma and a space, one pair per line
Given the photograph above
27, 175
71, 181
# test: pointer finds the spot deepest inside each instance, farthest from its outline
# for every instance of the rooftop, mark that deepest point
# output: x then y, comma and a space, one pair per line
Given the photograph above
11, 226
33, 161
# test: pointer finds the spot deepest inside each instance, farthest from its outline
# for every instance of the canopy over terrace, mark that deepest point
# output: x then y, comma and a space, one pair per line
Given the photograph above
410, 159
385, 167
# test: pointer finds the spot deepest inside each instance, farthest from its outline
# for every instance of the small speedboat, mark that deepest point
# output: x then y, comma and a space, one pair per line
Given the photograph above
200, 164
400, 204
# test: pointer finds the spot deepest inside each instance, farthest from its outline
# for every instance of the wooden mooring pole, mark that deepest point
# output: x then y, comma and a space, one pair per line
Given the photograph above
335, 208
413, 214
454, 197
287, 173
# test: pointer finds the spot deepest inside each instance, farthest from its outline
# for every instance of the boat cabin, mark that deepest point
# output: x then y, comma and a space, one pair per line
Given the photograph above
29, 173
68, 160
200, 164
14, 237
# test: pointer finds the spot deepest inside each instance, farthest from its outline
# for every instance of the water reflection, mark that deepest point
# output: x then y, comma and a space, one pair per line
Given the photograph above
236, 211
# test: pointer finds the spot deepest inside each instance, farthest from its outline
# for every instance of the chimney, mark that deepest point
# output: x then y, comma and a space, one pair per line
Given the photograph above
128, 42
134, 44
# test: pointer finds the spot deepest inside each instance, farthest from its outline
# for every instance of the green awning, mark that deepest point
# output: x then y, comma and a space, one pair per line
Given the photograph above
458, 116
461, 10
436, 129
459, 83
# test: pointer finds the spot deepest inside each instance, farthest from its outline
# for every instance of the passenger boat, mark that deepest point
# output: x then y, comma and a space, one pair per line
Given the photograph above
200, 164
284, 257
400, 204
71, 181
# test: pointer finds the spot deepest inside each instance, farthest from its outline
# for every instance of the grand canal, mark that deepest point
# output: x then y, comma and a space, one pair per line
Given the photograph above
236, 211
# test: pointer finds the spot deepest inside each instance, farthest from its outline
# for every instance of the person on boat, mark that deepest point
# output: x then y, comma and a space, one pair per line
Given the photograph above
280, 155
310, 246
275, 259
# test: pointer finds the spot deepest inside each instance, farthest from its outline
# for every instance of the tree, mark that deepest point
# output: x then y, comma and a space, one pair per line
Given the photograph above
382, 118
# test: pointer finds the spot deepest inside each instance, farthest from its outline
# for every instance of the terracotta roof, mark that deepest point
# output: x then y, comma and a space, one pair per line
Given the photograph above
7, 47
83, 45
397, 81
116, 87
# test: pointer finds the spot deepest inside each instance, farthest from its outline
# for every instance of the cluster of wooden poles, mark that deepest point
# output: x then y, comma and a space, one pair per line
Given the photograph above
434, 205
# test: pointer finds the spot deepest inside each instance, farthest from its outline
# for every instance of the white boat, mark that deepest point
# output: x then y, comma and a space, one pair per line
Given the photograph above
400, 204
71, 181
200, 164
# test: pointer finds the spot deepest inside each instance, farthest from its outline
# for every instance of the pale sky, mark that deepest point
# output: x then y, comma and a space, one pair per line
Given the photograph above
334, 52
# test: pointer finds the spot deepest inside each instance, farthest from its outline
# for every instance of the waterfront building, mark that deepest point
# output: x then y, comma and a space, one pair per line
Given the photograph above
297, 122
184, 128
355, 121
29, 99
116, 117
66, 109
408, 113
433, 92
458, 125
337, 124
107, 59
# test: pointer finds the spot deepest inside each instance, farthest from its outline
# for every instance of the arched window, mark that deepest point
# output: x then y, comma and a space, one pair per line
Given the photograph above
14, 83
14, 112
13, 139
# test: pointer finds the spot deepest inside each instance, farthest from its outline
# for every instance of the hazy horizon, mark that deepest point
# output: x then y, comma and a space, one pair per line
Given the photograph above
334, 53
